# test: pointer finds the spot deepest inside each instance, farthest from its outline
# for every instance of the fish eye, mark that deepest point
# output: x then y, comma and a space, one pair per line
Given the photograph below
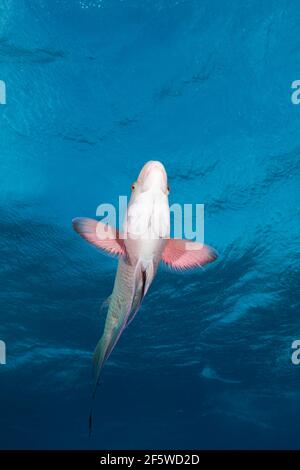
133, 186
168, 188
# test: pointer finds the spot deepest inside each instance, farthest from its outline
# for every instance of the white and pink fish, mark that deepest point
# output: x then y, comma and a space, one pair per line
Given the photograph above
143, 244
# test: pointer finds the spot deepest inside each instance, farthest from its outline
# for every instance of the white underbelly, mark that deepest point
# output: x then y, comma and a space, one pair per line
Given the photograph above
150, 250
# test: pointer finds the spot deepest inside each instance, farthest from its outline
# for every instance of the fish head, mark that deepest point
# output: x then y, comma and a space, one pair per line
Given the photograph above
148, 213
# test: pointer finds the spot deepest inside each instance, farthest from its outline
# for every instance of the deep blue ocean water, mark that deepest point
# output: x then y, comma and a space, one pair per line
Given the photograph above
94, 90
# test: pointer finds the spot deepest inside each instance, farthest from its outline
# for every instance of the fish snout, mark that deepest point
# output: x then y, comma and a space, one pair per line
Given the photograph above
153, 176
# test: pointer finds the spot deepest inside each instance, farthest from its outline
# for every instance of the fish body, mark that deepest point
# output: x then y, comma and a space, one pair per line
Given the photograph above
146, 227
141, 246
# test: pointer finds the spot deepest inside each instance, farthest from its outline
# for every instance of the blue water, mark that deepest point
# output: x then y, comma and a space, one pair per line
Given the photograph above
94, 90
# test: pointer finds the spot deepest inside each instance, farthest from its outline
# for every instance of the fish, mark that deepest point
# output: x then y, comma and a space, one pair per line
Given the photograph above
141, 246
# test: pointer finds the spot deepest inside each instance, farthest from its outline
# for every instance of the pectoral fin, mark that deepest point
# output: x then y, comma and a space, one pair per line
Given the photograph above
183, 254
100, 235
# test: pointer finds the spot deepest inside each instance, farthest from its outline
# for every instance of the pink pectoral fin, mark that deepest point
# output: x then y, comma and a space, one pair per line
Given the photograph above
183, 254
100, 235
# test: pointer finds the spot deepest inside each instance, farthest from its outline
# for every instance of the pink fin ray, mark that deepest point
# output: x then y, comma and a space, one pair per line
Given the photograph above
183, 254
100, 235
